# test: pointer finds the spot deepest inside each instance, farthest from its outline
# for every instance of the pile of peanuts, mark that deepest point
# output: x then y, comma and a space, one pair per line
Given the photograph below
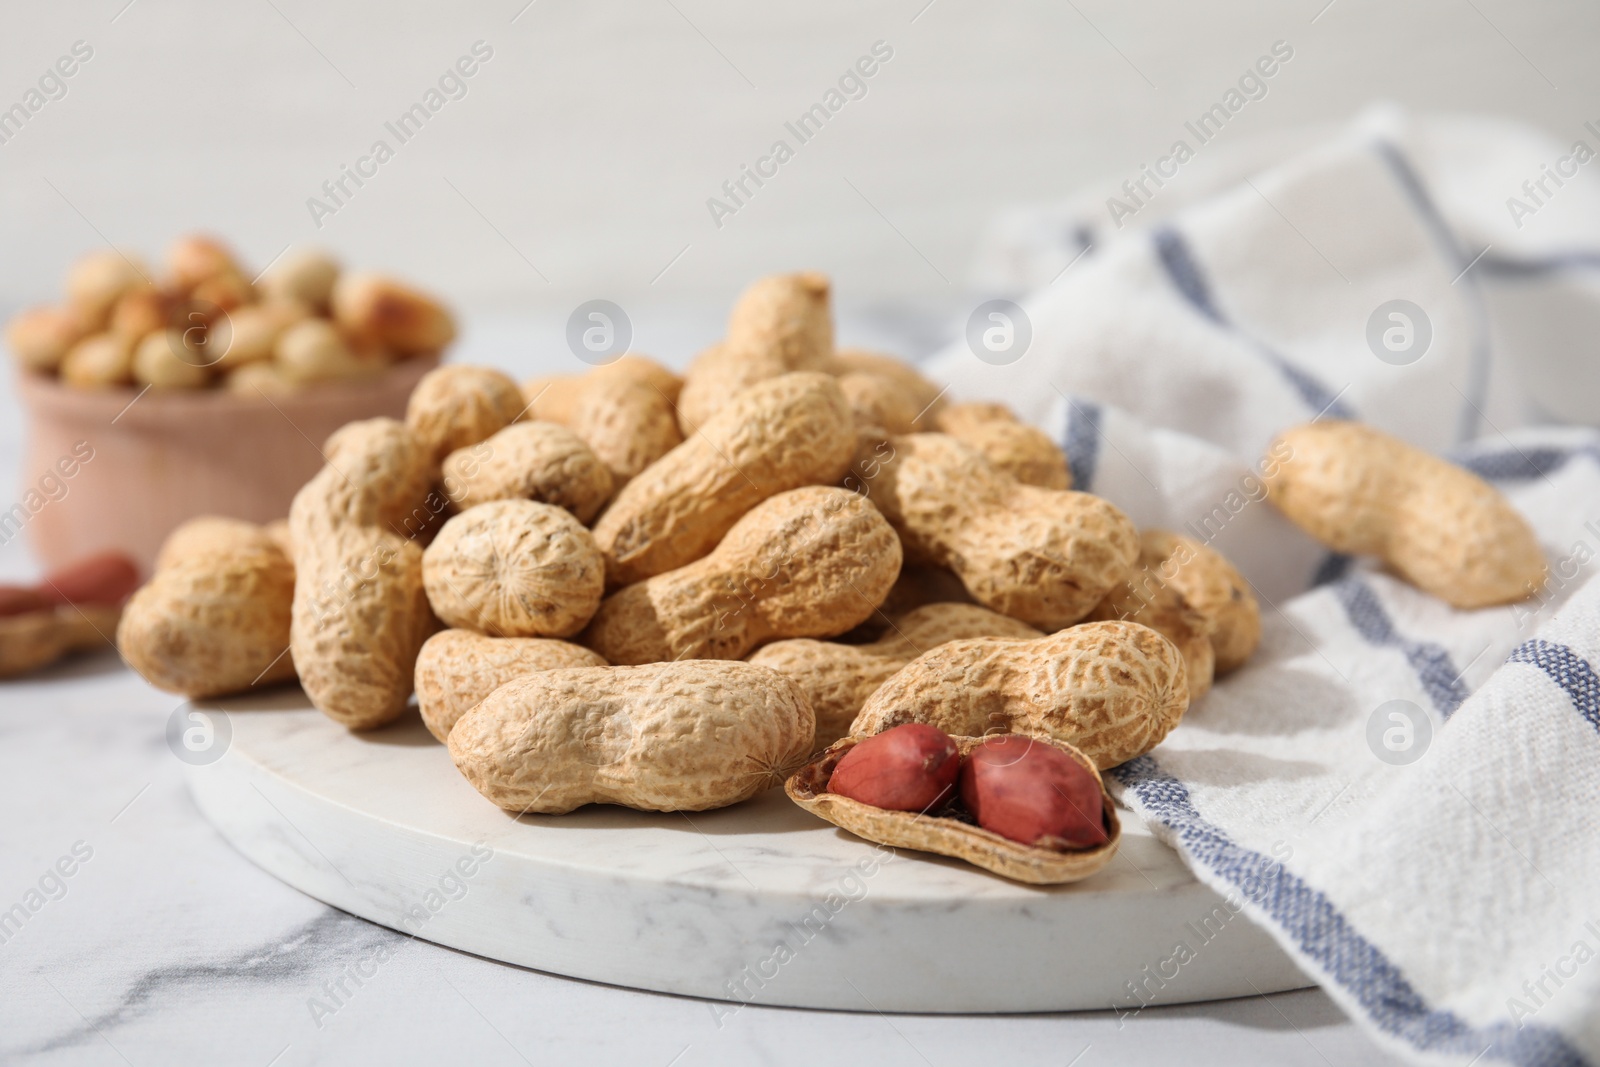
668, 593
205, 324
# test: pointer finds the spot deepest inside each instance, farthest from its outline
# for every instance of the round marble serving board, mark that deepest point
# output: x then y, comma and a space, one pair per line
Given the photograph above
759, 903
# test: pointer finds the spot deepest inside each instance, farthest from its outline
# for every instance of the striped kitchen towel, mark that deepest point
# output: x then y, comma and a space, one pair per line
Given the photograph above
1405, 795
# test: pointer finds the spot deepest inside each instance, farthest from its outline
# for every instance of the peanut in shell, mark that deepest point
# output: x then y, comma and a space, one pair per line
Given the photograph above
1112, 690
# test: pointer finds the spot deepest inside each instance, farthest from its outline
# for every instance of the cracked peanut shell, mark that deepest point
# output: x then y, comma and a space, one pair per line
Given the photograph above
946, 836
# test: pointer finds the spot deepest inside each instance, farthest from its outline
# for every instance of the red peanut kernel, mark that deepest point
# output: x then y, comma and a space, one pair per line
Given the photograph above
1030, 791
907, 768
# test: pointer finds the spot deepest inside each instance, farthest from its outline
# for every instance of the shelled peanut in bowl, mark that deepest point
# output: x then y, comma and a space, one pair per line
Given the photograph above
202, 323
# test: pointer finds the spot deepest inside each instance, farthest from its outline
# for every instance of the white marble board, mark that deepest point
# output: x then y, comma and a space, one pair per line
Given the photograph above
759, 903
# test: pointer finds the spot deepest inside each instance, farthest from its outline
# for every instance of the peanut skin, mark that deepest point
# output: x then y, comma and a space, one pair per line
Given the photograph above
1031, 792
838, 679
1040, 555
781, 323
906, 768
458, 668
1441, 528
514, 568
1112, 690
811, 562
665, 737
1213, 587
778, 435
360, 613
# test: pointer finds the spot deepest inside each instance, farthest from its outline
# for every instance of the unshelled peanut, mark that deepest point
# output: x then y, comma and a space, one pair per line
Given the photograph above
1022, 451
531, 461
215, 616
1112, 690
514, 568
1144, 598
665, 737
926, 397
781, 323
360, 613
1213, 587
40, 337
458, 668
396, 316
811, 562
456, 406
1440, 527
779, 434
306, 276
554, 397
838, 679
1044, 556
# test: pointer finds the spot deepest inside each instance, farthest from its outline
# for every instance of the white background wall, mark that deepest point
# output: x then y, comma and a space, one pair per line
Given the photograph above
591, 140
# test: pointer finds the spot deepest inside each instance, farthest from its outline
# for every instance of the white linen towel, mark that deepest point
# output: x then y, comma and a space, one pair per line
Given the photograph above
1405, 795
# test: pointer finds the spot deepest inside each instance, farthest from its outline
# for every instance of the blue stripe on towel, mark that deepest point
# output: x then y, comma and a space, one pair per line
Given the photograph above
1334, 566
1422, 203
1432, 663
1505, 267
1082, 445
1568, 670
1309, 921
1186, 276
1523, 464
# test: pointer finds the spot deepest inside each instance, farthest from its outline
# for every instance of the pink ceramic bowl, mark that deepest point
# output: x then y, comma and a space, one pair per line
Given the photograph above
101, 474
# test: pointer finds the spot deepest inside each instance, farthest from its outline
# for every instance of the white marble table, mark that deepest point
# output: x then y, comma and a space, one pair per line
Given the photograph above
165, 946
